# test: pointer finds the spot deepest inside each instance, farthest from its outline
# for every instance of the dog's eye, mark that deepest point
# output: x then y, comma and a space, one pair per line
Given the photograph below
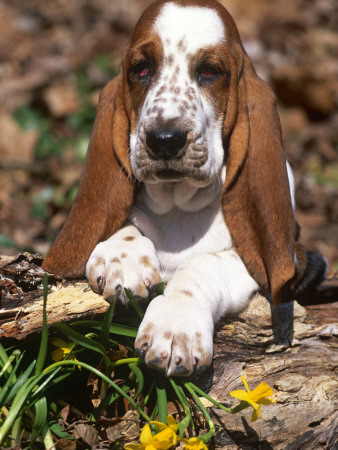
142, 70
207, 73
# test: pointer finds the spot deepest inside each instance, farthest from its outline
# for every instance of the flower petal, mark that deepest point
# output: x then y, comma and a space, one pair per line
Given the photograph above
162, 445
58, 342
266, 401
163, 435
261, 391
245, 383
172, 422
194, 444
146, 436
240, 394
256, 413
57, 354
159, 425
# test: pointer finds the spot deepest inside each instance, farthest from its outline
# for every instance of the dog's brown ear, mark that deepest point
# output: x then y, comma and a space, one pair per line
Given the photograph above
256, 196
105, 192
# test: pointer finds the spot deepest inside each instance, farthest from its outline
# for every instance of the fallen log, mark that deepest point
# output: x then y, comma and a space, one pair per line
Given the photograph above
296, 355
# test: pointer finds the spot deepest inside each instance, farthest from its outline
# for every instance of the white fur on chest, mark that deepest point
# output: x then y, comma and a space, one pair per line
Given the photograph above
181, 221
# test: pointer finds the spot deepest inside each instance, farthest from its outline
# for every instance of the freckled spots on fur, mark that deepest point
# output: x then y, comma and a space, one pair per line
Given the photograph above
168, 335
177, 69
182, 45
182, 109
161, 90
129, 238
186, 292
123, 255
160, 100
181, 341
145, 261
175, 90
99, 261
169, 60
115, 260
208, 122
145, 336
117, 275
167, 41
174, 78
199, 346
155, 276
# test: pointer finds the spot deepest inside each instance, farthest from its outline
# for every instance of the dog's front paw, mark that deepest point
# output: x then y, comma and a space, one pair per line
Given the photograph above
175, 337
126, 260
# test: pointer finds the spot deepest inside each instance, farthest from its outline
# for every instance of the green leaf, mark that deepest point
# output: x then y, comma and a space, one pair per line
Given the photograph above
59, 432
161, 401
17, 405
134, 303
139, 378
40, 418
103, 377
5, 391
20, 381
184, 423
78, 338
108, 317
122, 330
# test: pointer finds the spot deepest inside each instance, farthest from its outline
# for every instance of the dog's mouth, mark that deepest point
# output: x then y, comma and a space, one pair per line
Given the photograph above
170, 175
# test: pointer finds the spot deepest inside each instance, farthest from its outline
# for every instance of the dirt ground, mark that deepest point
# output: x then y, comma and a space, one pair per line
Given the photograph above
55, 56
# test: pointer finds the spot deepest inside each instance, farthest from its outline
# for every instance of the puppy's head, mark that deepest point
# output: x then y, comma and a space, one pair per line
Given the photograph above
178, 69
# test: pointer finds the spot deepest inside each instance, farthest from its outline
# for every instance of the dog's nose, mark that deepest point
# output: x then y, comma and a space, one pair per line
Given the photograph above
165, 143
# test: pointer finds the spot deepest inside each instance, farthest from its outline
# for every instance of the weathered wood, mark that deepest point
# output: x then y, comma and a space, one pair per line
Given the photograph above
297, 357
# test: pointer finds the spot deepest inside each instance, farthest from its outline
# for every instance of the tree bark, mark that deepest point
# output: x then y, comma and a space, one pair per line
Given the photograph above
296, 356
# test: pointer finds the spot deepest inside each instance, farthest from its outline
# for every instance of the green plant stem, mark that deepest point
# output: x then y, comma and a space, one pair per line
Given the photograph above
162, 401
47, 438
120, 362
206, 437
108, 317
101, 375
183, 424
44, 334
203, 394
147, 397
16, 431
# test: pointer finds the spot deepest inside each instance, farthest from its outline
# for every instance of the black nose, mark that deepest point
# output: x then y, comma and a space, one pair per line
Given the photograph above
165, 143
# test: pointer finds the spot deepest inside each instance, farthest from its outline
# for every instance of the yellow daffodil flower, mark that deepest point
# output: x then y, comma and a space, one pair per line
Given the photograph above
256, 398
172, 425
63, 349
162, 440
194, 444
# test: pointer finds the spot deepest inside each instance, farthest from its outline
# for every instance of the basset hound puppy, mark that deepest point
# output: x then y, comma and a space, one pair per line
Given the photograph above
185, 181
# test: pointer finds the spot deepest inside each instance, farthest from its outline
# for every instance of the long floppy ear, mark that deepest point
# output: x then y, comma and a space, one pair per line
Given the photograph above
105, 192
256, 196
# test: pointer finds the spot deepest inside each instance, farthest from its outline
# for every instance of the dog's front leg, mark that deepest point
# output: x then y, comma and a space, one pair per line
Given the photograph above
176, 334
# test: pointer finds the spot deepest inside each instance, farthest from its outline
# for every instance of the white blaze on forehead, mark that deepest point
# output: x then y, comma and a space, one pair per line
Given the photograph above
197, 26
